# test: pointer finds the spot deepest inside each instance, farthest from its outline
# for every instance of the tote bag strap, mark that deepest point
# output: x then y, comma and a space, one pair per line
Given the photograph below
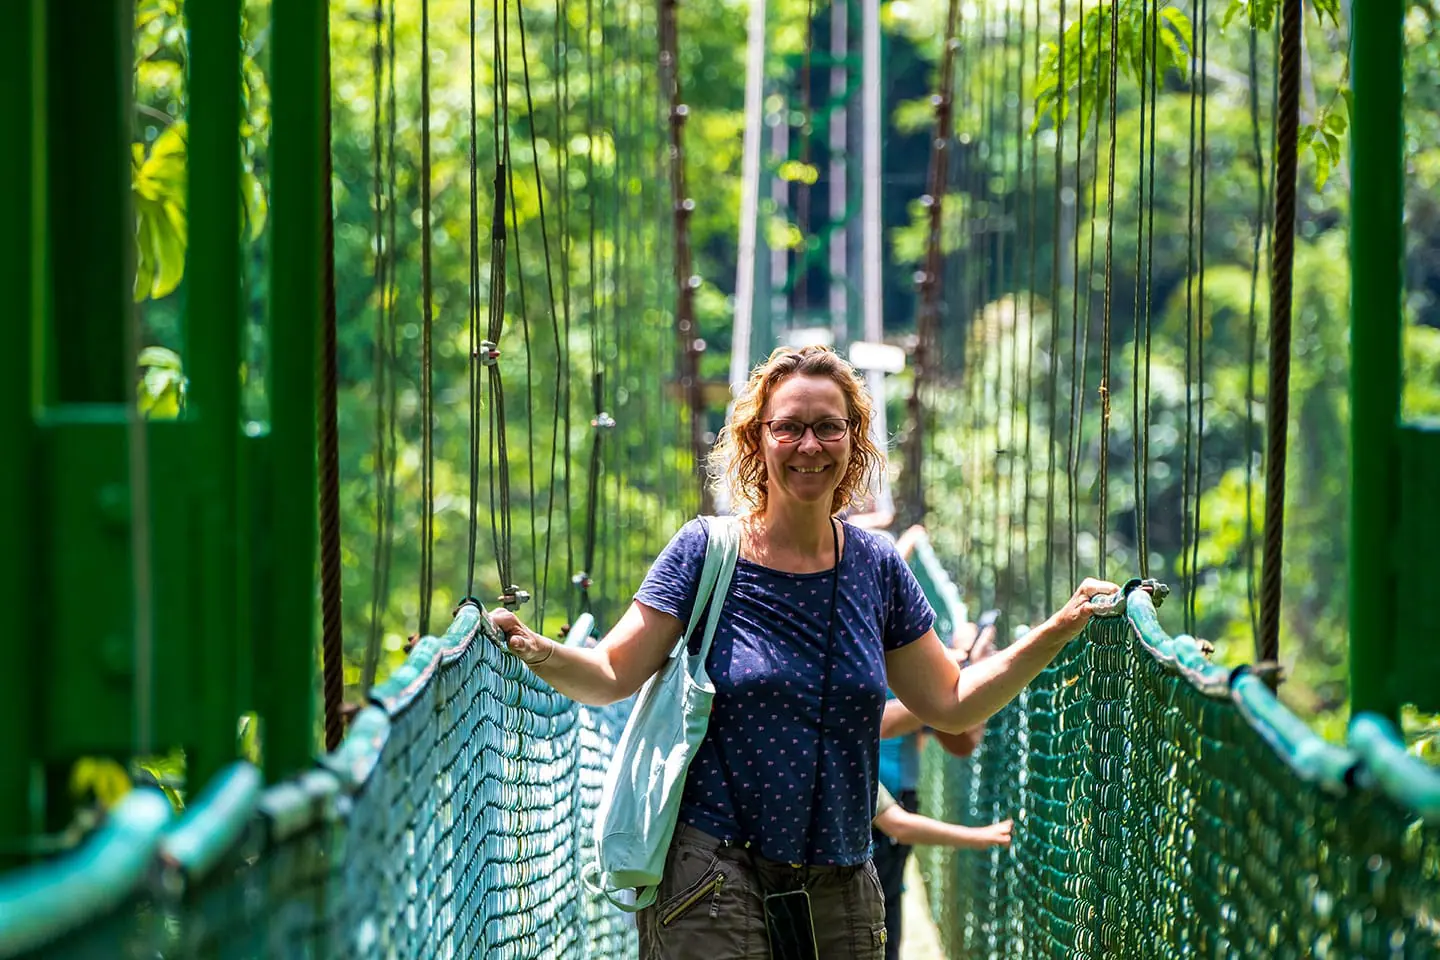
722, 549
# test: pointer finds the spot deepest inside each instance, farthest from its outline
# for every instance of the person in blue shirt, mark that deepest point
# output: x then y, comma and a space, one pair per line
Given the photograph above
901, 735
820, 615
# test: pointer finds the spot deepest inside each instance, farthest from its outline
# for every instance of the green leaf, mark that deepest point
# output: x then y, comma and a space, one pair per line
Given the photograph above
158, 188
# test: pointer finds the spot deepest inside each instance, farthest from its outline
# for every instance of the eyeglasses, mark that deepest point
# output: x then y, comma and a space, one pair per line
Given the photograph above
785, 430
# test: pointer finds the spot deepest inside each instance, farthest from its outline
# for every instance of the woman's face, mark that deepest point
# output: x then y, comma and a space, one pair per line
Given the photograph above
806, 469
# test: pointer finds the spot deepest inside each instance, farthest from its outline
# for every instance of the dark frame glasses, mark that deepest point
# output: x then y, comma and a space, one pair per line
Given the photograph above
790, 430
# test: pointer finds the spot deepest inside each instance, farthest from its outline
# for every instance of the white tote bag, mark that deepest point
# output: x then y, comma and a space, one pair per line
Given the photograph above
641, 800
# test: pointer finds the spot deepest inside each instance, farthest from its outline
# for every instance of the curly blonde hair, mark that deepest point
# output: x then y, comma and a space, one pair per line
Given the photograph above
737, 461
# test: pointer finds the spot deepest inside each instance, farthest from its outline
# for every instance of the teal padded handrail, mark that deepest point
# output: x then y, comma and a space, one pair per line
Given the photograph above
42, 903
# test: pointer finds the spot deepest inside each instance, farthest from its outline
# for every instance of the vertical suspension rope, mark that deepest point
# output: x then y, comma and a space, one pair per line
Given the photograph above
427, 323
1143, 494
984, 459
386, 348
1004, 452
1052, 399
1027, 34
1083, 358
499, 472
799, 292
1192, 597
332, 621
1277, 410
1077, 363
927, 322
391, 296
687, 333
562, 140
543, 578
1139, 422
1186, 527
1104, 480
473, 323
380, 367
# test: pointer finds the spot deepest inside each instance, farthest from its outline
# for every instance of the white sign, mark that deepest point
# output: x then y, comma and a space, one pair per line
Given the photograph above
881, 357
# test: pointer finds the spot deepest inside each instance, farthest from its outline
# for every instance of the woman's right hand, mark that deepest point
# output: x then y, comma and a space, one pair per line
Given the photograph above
525, 643
997, 834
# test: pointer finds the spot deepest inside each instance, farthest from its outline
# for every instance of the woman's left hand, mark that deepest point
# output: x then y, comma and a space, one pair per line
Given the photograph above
1067, 622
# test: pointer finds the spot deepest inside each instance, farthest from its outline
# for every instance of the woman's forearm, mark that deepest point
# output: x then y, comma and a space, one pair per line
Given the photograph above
987, 685
915, 830
581, 673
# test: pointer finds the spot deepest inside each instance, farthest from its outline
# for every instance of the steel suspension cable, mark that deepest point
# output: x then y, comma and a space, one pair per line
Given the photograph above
332, 620
1263, 171
1277, 403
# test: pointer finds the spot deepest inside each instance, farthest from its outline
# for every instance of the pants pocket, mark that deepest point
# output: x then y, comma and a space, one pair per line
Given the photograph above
704, 890
870, 931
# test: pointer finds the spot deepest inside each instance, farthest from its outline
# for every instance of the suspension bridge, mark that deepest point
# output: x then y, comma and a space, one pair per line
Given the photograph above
456, 347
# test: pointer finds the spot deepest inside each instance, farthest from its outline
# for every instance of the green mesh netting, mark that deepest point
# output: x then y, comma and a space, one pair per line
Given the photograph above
452, 822
1163, 810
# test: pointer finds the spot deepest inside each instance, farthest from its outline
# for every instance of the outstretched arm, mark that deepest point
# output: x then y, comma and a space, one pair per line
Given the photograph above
929, 682
611, 670
914, 829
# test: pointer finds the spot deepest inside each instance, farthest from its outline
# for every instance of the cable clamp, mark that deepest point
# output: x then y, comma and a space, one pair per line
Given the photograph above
603, 420
1114, 604
488, 354
513, 597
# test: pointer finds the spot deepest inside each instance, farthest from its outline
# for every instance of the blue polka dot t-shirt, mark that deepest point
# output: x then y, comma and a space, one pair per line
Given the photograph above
753, 776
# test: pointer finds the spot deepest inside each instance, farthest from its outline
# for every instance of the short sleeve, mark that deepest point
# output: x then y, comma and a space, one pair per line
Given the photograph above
674, 577
884, 801
909, 615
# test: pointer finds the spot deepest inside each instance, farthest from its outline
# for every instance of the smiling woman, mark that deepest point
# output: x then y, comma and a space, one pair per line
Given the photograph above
773, 839
818, 385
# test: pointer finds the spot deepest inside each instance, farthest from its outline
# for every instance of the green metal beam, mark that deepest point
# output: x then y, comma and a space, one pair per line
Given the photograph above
285, 674
1376, 258
20, 259
213, 337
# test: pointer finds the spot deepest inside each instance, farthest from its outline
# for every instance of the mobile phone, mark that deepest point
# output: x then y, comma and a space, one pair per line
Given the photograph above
790, 927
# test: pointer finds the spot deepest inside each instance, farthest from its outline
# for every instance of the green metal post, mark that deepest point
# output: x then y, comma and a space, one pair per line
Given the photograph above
1376, 258
285, 673
19, 260
89, 104
84, 558
213, 337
